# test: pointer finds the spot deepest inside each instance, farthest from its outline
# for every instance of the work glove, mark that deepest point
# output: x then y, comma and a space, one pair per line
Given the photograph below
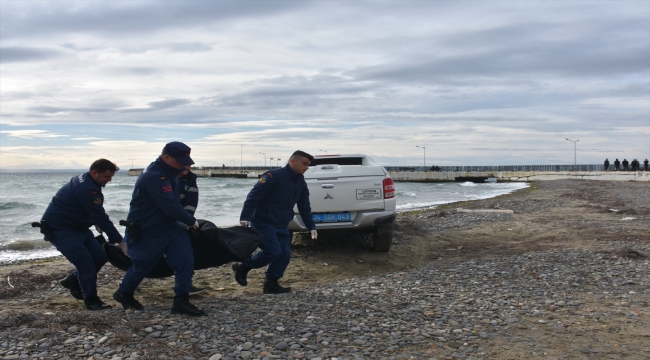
314, 235
245, 223
196, 225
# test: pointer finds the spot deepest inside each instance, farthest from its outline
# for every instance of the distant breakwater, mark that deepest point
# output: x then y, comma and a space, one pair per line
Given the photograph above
444, 176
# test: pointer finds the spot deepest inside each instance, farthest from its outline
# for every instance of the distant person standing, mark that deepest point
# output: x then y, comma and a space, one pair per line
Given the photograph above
626, 165
645, 164
78, 205
269, 209
606, 165
617, 164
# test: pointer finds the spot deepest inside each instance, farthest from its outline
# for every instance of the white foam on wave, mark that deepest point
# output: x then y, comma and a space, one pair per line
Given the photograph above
424, 205
500, 189
468, 183
407, 194
13, 255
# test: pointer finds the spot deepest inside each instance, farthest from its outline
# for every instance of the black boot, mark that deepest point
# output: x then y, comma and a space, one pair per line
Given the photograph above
182, 305
127, 300
94, 303
241, 271
71, 283
272, 287
196, 290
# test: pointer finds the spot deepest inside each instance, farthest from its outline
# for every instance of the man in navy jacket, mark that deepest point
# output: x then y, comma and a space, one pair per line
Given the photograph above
269, 209
155, 210
78, 205
188, 191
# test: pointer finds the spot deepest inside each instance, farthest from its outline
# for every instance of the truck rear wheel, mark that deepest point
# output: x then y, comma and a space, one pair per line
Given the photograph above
383, 240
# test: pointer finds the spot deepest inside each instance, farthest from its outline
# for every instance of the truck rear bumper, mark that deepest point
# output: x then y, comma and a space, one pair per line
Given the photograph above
362, 220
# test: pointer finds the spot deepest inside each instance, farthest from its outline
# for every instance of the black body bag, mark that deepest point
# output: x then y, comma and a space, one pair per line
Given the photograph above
212, 247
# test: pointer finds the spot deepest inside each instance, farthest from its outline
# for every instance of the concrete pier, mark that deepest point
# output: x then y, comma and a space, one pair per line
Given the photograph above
522, 175
446, 176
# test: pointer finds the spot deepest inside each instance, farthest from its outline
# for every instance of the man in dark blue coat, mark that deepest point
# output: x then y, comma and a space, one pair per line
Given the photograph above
78, 205
155, 211
269, 209
188, 193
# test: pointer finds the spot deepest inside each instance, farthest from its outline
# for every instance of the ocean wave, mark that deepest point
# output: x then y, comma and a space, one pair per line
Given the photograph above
120, 186
468, 184
29, 245
407, 194
413, 206
13, 205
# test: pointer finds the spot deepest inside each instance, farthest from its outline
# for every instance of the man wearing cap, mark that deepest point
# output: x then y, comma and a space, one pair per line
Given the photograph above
155, 210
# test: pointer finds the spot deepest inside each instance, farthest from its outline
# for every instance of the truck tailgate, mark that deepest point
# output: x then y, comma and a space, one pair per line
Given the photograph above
351, 193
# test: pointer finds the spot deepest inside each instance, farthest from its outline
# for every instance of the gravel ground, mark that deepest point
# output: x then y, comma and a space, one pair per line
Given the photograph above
485, 301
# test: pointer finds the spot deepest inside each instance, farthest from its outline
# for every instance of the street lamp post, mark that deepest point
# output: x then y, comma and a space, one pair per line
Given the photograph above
425, 155
325, 151
131, 162
264, 158
575, 142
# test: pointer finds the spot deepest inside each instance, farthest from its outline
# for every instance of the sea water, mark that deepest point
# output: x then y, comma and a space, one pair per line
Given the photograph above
24, 197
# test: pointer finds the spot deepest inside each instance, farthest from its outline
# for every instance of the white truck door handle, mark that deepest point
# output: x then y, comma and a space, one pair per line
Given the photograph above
327, 186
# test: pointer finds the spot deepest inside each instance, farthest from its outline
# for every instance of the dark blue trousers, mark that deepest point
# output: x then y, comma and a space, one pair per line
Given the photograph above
276, 251
84, 252
177, 250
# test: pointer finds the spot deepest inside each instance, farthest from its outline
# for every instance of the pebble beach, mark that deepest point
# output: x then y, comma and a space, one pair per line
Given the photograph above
543, 282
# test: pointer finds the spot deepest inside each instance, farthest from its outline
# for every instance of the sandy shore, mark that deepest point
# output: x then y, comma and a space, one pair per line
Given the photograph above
605, 219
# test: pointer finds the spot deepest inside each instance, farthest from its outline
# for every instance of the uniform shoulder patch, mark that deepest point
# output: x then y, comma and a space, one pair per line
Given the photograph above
97, 201
94, 192
269, 174
262, 180
163, 178
167, 188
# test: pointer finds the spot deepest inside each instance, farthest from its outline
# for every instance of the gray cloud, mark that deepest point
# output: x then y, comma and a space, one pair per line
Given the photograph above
10, 54
159, 105
70, 110
132, 17
177, 47
503, 75
125, 71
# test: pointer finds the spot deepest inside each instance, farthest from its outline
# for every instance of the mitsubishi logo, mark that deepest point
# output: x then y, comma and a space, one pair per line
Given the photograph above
328, 196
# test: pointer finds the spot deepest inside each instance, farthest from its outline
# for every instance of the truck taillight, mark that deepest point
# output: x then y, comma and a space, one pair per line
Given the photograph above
389, 188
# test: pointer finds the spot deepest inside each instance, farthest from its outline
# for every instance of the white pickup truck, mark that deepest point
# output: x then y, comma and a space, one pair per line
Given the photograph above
350, 192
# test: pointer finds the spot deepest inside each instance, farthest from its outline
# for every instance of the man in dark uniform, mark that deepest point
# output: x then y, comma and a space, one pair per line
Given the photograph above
78, 205
645, 164
155, 211
625, 164
606, 165
269, 209
188, 193
617, 164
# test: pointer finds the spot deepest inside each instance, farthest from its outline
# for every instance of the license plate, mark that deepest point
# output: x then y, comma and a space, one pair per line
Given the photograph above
331, 217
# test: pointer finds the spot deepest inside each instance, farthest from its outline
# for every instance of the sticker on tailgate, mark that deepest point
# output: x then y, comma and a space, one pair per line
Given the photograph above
368, 194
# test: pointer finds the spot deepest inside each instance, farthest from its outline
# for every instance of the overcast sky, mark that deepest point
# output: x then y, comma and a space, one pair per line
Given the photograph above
474, 82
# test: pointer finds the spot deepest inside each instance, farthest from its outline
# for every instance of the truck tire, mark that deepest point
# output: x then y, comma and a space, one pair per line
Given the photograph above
383, 240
